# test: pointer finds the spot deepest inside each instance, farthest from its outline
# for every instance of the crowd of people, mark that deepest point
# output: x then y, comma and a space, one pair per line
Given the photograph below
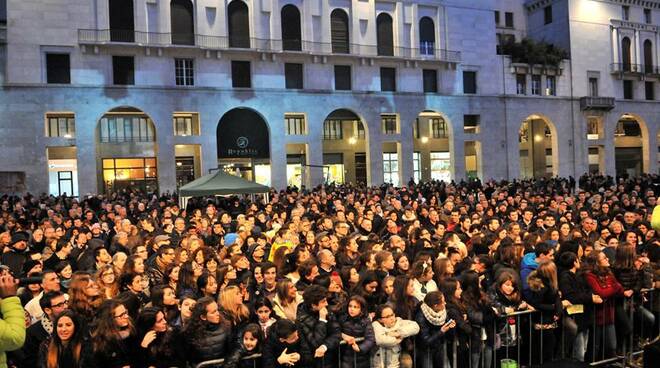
425, 275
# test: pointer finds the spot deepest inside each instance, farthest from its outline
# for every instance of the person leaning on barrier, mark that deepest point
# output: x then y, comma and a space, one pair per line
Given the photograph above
285, 348
312, 321
12, 323
390, 330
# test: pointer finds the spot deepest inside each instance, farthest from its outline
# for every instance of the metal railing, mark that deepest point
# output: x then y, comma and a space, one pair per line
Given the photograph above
518, 338
426, 51
634, 68
596, 103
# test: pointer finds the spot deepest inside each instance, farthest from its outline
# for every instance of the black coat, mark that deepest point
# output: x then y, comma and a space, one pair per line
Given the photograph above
273, 348
359, 326
211, 343
430, 340
34, 337
575, 289
118, 354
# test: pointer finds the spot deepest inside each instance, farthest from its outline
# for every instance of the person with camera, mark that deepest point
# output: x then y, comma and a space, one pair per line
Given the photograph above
12, 323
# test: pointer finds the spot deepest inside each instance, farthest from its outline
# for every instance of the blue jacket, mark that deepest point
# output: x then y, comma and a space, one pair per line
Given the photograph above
527, 265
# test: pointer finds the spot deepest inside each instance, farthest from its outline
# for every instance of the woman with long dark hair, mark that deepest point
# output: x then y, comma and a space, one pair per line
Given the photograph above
481, 316
457, 311
207, 335
158, 345
67, 347
113, 336
188, 274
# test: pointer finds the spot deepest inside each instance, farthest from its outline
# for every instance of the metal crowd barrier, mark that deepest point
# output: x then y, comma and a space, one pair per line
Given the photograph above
522, 349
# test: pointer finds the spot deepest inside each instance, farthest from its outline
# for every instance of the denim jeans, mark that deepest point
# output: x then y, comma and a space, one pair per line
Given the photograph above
580, 345
601, 343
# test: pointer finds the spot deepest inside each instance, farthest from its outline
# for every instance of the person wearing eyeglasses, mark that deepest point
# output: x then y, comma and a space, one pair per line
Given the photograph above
113, 336
390, 330
53, 304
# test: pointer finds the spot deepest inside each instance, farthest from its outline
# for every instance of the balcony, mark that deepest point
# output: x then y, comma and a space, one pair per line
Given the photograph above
94, 37
596, 103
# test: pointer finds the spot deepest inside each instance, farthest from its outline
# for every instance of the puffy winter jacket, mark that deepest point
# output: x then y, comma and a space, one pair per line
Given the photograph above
12, 327
357, 327
388, 350
212, 343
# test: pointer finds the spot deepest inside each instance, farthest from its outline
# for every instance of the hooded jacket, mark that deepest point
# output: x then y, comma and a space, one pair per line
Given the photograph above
527, 265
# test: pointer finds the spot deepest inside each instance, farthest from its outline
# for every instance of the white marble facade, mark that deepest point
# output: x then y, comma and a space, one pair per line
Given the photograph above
591, 31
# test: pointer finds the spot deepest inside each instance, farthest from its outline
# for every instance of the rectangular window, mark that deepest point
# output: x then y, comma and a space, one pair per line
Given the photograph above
430, 78
628, 89
184, 73
497, 17
293, 75
416, 129
135, 173
508, 20
440, 166
240, 74
469, 82
417, 167
360, 129
647, 16
649, 88
343, 77
471, 124
117, 129
389, 124
593, 87
536, 85
547, 14
58, 68
521, 84
388, 79
295, 124
186, 124
550, 85
504, 41
592, 128
60, 126
438, 127
332, 130
123, 70
625, 12
391, 168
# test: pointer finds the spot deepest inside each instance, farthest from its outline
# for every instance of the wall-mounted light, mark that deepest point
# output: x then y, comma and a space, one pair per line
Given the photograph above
425, 139
352, 140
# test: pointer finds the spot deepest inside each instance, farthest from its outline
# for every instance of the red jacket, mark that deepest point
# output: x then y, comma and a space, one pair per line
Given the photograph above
607, 288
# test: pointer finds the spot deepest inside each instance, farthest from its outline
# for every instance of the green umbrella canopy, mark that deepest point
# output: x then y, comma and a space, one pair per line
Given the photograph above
220, 183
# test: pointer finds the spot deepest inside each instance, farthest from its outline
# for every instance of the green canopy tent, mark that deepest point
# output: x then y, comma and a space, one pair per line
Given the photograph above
218, 183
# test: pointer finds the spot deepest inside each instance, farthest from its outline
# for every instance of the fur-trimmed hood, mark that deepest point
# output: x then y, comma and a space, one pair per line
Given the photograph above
535, 281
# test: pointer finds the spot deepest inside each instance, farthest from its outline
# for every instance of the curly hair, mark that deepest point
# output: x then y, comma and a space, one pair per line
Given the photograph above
79, 301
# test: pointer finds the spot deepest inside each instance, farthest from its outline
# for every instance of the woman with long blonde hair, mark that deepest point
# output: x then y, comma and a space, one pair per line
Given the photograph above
232, 308
108, 282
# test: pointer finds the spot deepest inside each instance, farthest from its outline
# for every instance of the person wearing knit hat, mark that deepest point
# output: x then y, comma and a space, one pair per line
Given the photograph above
16, 257
230, 239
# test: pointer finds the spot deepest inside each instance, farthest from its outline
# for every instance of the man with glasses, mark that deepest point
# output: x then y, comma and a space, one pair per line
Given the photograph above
53, 304
50, 282
156, 270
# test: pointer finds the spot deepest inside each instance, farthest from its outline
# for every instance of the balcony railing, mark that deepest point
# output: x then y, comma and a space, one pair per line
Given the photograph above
154, 39
596, 103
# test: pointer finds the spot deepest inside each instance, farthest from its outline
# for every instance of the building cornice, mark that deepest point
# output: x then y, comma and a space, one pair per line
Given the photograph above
616, 23
537, 4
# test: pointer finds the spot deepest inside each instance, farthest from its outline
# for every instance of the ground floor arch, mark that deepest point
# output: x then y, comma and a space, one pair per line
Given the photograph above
243, 143
538, 147
631, 148
345, 142
127, 151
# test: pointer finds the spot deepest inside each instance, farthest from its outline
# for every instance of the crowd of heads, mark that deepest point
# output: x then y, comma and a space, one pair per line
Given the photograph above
134, 279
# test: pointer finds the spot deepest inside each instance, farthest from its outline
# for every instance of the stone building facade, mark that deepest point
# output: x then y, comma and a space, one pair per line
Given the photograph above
106, 94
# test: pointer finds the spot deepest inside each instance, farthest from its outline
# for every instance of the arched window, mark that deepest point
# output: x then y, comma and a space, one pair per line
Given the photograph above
625, 54
183, 26
384, 34
426, 36
239, 24
122, 25
648, 56
339, 31
291, 38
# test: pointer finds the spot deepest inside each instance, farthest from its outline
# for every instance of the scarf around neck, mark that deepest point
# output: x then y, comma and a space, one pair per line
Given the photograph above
435, 318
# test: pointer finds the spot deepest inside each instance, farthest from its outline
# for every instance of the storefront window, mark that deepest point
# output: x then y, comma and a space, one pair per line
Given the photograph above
130, 173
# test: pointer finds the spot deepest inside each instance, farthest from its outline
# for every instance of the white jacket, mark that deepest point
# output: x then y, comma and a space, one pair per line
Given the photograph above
386, 355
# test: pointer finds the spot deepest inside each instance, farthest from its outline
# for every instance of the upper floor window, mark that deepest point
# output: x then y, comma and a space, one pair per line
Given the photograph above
123, 70
389, 124
126, 128
295, 124
536, 84
60, 125
185, 124
469, 82
426, 36
508, 19
438, 128
291, 36
184, 72
625, 12
240, 74
497, 17
626, 55
122, 24
593, 87
339, 32
648, 57
471, 124
521, 84
332, 129
647, 16
183, 26
293, 76
547, 14
343, 77
388, 79
430, 80
58, 68
550, 85
239, 24
384, 35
